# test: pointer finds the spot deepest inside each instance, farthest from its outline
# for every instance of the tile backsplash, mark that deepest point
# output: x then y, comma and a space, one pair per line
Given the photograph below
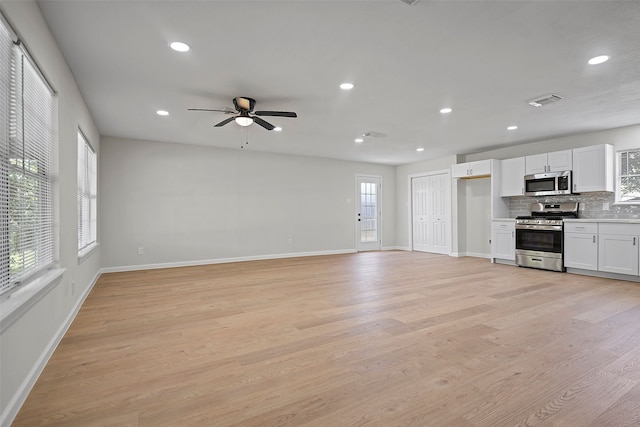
591, 205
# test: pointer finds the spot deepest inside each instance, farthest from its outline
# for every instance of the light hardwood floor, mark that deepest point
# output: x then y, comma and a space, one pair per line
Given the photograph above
368, 339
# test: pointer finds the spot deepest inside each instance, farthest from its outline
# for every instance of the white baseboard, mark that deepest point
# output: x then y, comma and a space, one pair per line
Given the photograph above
396, 248
471, 254
221, 261
18, 399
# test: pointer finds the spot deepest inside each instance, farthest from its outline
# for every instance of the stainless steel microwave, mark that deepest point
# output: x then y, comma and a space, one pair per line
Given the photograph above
548, 184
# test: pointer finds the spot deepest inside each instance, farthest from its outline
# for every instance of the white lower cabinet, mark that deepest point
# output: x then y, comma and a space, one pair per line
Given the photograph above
608, 247
581, 245
618, 253
618, 248
503, 240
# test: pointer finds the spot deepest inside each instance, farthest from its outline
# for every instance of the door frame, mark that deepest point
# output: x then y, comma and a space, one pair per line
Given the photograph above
357, 205
410, 205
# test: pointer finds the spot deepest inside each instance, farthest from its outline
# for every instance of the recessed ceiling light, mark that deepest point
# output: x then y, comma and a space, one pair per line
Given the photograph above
277, 129
179, 47
419, 149
346, 86
358, 140
162, 113
514, 127
598, 59
446, 110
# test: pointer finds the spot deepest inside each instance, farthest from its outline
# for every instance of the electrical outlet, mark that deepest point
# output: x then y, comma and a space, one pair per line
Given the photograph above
605, 206
140, 250
290, 241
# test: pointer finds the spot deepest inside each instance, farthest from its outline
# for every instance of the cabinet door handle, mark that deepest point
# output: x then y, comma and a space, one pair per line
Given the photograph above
594, 239
513, 234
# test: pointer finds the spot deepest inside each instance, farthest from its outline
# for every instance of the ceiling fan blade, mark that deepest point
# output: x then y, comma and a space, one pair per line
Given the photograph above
265, 124
226, 111
276, 113
224, 122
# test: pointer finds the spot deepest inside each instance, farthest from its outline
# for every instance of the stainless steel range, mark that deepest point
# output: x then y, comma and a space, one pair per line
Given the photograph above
539, 236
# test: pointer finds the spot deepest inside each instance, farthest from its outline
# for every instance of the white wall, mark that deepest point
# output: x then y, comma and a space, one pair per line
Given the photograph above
27, 343
476, 211
187, 204
621, 138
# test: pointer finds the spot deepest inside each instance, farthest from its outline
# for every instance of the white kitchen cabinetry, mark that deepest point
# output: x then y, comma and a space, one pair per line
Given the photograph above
476, 169
512, 177
549, 162
581, 245
503, 240
618, 248
593, 168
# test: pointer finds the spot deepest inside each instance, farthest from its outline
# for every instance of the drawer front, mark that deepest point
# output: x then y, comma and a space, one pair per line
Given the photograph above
504, 225
620, 229
581, 227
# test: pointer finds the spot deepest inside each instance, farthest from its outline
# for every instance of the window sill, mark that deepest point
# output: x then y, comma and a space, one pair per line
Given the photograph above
84, 253
17, 301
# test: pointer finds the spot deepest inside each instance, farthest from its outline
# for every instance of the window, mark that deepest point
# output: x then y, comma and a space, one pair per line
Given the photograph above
628, 185
27, 120
87, 195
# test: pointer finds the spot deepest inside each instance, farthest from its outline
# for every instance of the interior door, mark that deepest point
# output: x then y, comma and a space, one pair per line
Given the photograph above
440, 213
420, 213
368, 213
431, 213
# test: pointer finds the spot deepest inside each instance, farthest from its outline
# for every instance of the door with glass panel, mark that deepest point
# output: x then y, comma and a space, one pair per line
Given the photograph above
368, 213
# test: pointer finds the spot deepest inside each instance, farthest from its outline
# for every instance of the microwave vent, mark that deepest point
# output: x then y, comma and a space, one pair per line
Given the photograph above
544, 100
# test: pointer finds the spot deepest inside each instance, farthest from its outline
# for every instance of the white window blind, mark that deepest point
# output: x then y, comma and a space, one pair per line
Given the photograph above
628, 188
28, 131
87, 194
6, 46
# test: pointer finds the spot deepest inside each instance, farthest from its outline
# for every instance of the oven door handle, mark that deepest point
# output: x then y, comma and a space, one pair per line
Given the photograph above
539, 227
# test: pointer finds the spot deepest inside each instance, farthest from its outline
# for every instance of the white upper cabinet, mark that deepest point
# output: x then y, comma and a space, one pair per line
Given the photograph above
512, 177
556, 161
476, 169
593, 168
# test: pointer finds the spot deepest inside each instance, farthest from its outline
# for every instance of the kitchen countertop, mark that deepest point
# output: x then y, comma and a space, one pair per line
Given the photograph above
503, 219
618, 221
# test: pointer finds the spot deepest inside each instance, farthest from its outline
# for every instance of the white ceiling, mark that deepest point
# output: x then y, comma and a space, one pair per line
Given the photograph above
484, 59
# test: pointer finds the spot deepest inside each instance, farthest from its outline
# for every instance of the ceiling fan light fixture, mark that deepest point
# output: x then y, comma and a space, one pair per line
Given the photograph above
243, 120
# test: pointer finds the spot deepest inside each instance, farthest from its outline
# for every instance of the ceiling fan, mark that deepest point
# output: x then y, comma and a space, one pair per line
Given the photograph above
244, 106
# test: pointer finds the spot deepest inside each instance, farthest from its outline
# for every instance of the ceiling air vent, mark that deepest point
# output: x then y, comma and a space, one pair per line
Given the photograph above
372, 134
544, 100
